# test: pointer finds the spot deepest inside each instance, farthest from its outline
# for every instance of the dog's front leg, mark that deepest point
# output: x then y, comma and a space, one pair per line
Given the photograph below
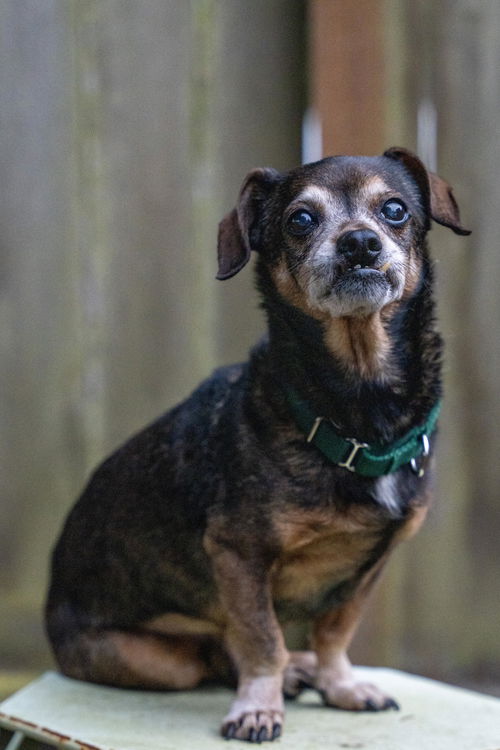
332, 636
254, 640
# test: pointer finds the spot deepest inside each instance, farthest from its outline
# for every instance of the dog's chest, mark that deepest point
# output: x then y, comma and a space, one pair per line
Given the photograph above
322, 550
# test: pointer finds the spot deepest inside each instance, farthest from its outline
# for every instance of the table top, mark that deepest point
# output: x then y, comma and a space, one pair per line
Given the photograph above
79, 716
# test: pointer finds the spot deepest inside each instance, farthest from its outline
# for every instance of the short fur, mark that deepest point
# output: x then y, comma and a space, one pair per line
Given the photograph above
198, 539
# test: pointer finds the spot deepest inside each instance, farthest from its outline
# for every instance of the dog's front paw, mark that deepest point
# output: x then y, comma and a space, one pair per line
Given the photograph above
355, 696
257, 713
255, 725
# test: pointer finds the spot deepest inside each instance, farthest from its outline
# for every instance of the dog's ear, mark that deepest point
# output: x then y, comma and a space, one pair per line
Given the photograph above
236, 238
444, 208
438, 197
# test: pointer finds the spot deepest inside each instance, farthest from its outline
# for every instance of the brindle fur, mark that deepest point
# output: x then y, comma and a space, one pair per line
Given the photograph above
198, 539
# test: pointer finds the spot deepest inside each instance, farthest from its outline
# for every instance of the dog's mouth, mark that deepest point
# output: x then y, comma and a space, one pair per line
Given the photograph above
358, 289
365, 270
361, 280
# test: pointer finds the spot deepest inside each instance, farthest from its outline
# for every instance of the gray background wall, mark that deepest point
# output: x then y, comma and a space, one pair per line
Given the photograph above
127, 129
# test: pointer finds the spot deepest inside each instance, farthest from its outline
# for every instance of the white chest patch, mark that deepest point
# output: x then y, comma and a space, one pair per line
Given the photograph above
387, 494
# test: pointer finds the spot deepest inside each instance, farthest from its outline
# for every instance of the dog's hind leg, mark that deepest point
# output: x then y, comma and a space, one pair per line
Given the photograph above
136, 659
300, 673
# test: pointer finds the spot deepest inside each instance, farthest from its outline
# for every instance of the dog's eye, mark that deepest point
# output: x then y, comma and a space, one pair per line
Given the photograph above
395, 212
301, 222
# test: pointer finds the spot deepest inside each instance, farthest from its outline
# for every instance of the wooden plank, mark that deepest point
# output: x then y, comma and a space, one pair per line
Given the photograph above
347, 74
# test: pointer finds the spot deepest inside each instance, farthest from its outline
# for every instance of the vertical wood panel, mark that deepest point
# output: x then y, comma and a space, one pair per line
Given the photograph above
347, 74
90, 247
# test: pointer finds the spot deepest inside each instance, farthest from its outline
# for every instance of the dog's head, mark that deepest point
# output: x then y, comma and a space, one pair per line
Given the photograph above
342, 237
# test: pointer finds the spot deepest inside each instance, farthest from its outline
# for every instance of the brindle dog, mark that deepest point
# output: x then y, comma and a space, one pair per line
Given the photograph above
203, 534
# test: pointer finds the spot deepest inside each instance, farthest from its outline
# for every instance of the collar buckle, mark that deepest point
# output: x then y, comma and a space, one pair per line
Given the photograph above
349, 461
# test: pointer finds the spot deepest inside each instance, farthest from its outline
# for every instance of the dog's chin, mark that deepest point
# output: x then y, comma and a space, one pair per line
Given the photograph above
358, 293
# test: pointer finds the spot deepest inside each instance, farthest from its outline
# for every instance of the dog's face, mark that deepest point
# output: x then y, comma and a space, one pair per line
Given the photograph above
343, 236
346, 236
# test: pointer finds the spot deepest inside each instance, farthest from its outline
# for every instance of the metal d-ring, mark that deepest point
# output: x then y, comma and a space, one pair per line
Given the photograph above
420, 470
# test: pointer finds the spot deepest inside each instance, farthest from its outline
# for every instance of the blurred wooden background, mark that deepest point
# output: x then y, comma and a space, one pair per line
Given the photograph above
126, 129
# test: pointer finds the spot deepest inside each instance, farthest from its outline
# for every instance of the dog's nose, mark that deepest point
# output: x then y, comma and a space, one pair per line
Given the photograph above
361, 246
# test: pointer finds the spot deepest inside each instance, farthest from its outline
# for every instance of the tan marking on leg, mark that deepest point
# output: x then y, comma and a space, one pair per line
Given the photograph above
134, 659
161, 662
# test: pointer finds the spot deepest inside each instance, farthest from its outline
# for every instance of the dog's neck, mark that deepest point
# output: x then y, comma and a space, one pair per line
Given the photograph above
363, 345
374, 377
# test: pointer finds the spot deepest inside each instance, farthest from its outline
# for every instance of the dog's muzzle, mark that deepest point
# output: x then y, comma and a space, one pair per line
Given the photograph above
361, 284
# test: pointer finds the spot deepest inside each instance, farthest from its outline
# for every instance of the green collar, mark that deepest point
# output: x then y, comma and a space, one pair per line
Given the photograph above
361, 458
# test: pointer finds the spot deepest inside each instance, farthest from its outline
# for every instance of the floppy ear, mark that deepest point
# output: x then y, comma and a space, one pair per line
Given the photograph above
236, 239
444, 208
438, 197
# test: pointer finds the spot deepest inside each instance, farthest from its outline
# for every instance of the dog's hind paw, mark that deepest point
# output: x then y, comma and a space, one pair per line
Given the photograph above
300, 673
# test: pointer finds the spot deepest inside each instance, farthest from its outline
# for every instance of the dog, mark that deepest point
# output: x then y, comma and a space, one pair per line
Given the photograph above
278, 489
